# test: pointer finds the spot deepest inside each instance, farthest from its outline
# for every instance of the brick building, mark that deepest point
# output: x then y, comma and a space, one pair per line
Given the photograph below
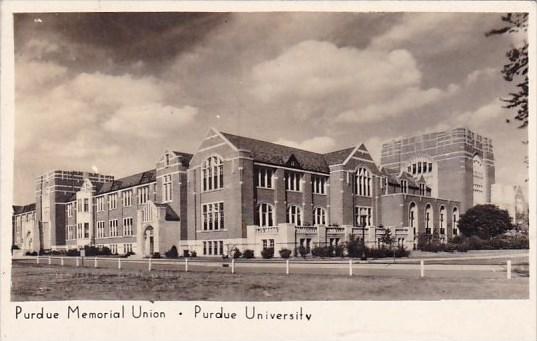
239, 192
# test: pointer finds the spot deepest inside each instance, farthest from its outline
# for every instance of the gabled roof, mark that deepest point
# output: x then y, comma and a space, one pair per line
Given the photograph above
278, 155
184, 157
23, 209
338, 156
128, 181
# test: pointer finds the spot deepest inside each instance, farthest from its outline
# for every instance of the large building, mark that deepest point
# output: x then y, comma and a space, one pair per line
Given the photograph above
457, 163
511, 198
236, 192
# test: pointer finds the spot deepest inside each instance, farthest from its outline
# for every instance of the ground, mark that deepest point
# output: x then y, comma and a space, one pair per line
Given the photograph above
33, 282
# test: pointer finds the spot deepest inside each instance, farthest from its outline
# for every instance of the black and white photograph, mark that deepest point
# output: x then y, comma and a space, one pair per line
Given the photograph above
228, 156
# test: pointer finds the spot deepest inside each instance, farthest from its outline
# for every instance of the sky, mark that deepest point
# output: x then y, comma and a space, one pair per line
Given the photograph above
110, 92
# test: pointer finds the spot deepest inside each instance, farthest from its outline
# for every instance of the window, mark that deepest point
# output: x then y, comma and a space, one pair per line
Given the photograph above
112, 227
319, 216
478, 177
213, 216
112, 201
428, 218
294, 215
263, 177
213, 247
293, 181
167, 188
100, 229
455, 221
127, 226
363, 216
264, 215
113, 249
70, 210
127, 248
71, 232
318, 184
86, 205
363, 183
86, 230
127, 198
334, 241
422, 189
404, 186
143, 194
442, 219
79, 231
268, 243
79, 205
412, 214
101, 204
212, 173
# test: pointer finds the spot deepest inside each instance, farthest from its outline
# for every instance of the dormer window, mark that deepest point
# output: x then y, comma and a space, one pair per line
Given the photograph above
423, 189
404, 186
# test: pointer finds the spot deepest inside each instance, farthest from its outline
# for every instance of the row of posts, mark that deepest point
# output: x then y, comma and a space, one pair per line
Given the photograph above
149, 265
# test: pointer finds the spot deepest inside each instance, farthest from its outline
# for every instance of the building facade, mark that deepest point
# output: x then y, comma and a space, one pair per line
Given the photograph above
456, 164
511, 198
240, 193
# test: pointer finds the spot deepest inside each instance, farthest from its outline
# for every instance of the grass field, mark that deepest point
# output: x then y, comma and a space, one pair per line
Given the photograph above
31, 282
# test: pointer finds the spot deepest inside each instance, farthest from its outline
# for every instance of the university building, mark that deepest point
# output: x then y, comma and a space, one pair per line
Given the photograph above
239, 192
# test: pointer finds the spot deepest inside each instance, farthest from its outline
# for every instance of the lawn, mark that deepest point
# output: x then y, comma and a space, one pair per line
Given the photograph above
31, 282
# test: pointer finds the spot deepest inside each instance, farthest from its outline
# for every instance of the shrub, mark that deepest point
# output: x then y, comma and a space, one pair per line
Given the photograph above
193, 253
302, 251
172, 252
236, 253
339, 251
267, 253
28, 253
248, 254
128, 254
461, 247
15, 247
285, 253
156, 255
320, 251
72, 253
401, 252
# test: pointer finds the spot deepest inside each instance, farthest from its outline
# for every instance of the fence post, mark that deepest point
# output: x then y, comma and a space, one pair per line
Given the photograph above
422, 268
350, 267
77, 262
186, 264
119, 263
232, 265
95, 262
49, 260
149, 264
509, 269
287, 266
37, 259
61, 261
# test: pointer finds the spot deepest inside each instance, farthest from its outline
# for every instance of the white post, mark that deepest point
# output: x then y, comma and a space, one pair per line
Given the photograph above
37, 259
509, 269
95, 262
350, 267
61, 261
186, 264
422, 268
287, 266
49, 260
149, 264
119, 263
232, 265
77, 262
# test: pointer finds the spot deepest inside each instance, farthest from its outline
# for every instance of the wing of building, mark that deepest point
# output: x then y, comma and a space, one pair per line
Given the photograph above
244, 193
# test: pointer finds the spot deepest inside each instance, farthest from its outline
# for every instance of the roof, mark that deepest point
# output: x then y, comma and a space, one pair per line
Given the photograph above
128, 181
184, 157
280, 155
338, 156
23, 209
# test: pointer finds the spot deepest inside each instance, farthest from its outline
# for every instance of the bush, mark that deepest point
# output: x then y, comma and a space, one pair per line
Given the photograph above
28, 253
320, 251
72, 253
236, 253
401, 252
193, 253
302, 251
128, 254
285, 253
248, 254
156, 255
15, 247
339, 251
172, 252
267, 253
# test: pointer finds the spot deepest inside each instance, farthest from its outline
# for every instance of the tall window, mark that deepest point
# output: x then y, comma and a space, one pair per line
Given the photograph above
70, 211
455, 221
428, 218
294, 215
79, 205
112, 201
479, 179
100, 229
319, 216
422, 189
264, 215
212, 173
79, 231
86, 230
143, 194
442, 217
268, 243
363, 183
412, 214
167, 188
101, 204
293, 181
112, 227
127, 198
86, 205
127, 226
363, 216
404, 186
318, 184
71, 232
213, 216
263, 177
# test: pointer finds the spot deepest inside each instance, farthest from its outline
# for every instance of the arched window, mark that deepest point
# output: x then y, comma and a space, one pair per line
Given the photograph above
428, 219
294, 215
412, 215
319, 216
363, 183
212, 173
442, 220
264, 215
455, 221
479, 179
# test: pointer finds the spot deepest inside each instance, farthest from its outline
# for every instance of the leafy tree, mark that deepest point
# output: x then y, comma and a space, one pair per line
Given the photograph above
516, 69
485, 221
387, 238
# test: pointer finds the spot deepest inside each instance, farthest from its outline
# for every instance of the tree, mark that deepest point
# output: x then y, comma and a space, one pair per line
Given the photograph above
485, 221
516, 69
387, 238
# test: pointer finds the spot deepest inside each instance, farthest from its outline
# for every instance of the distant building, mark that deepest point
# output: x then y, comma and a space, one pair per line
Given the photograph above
511, 198
456, 164
237, 192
